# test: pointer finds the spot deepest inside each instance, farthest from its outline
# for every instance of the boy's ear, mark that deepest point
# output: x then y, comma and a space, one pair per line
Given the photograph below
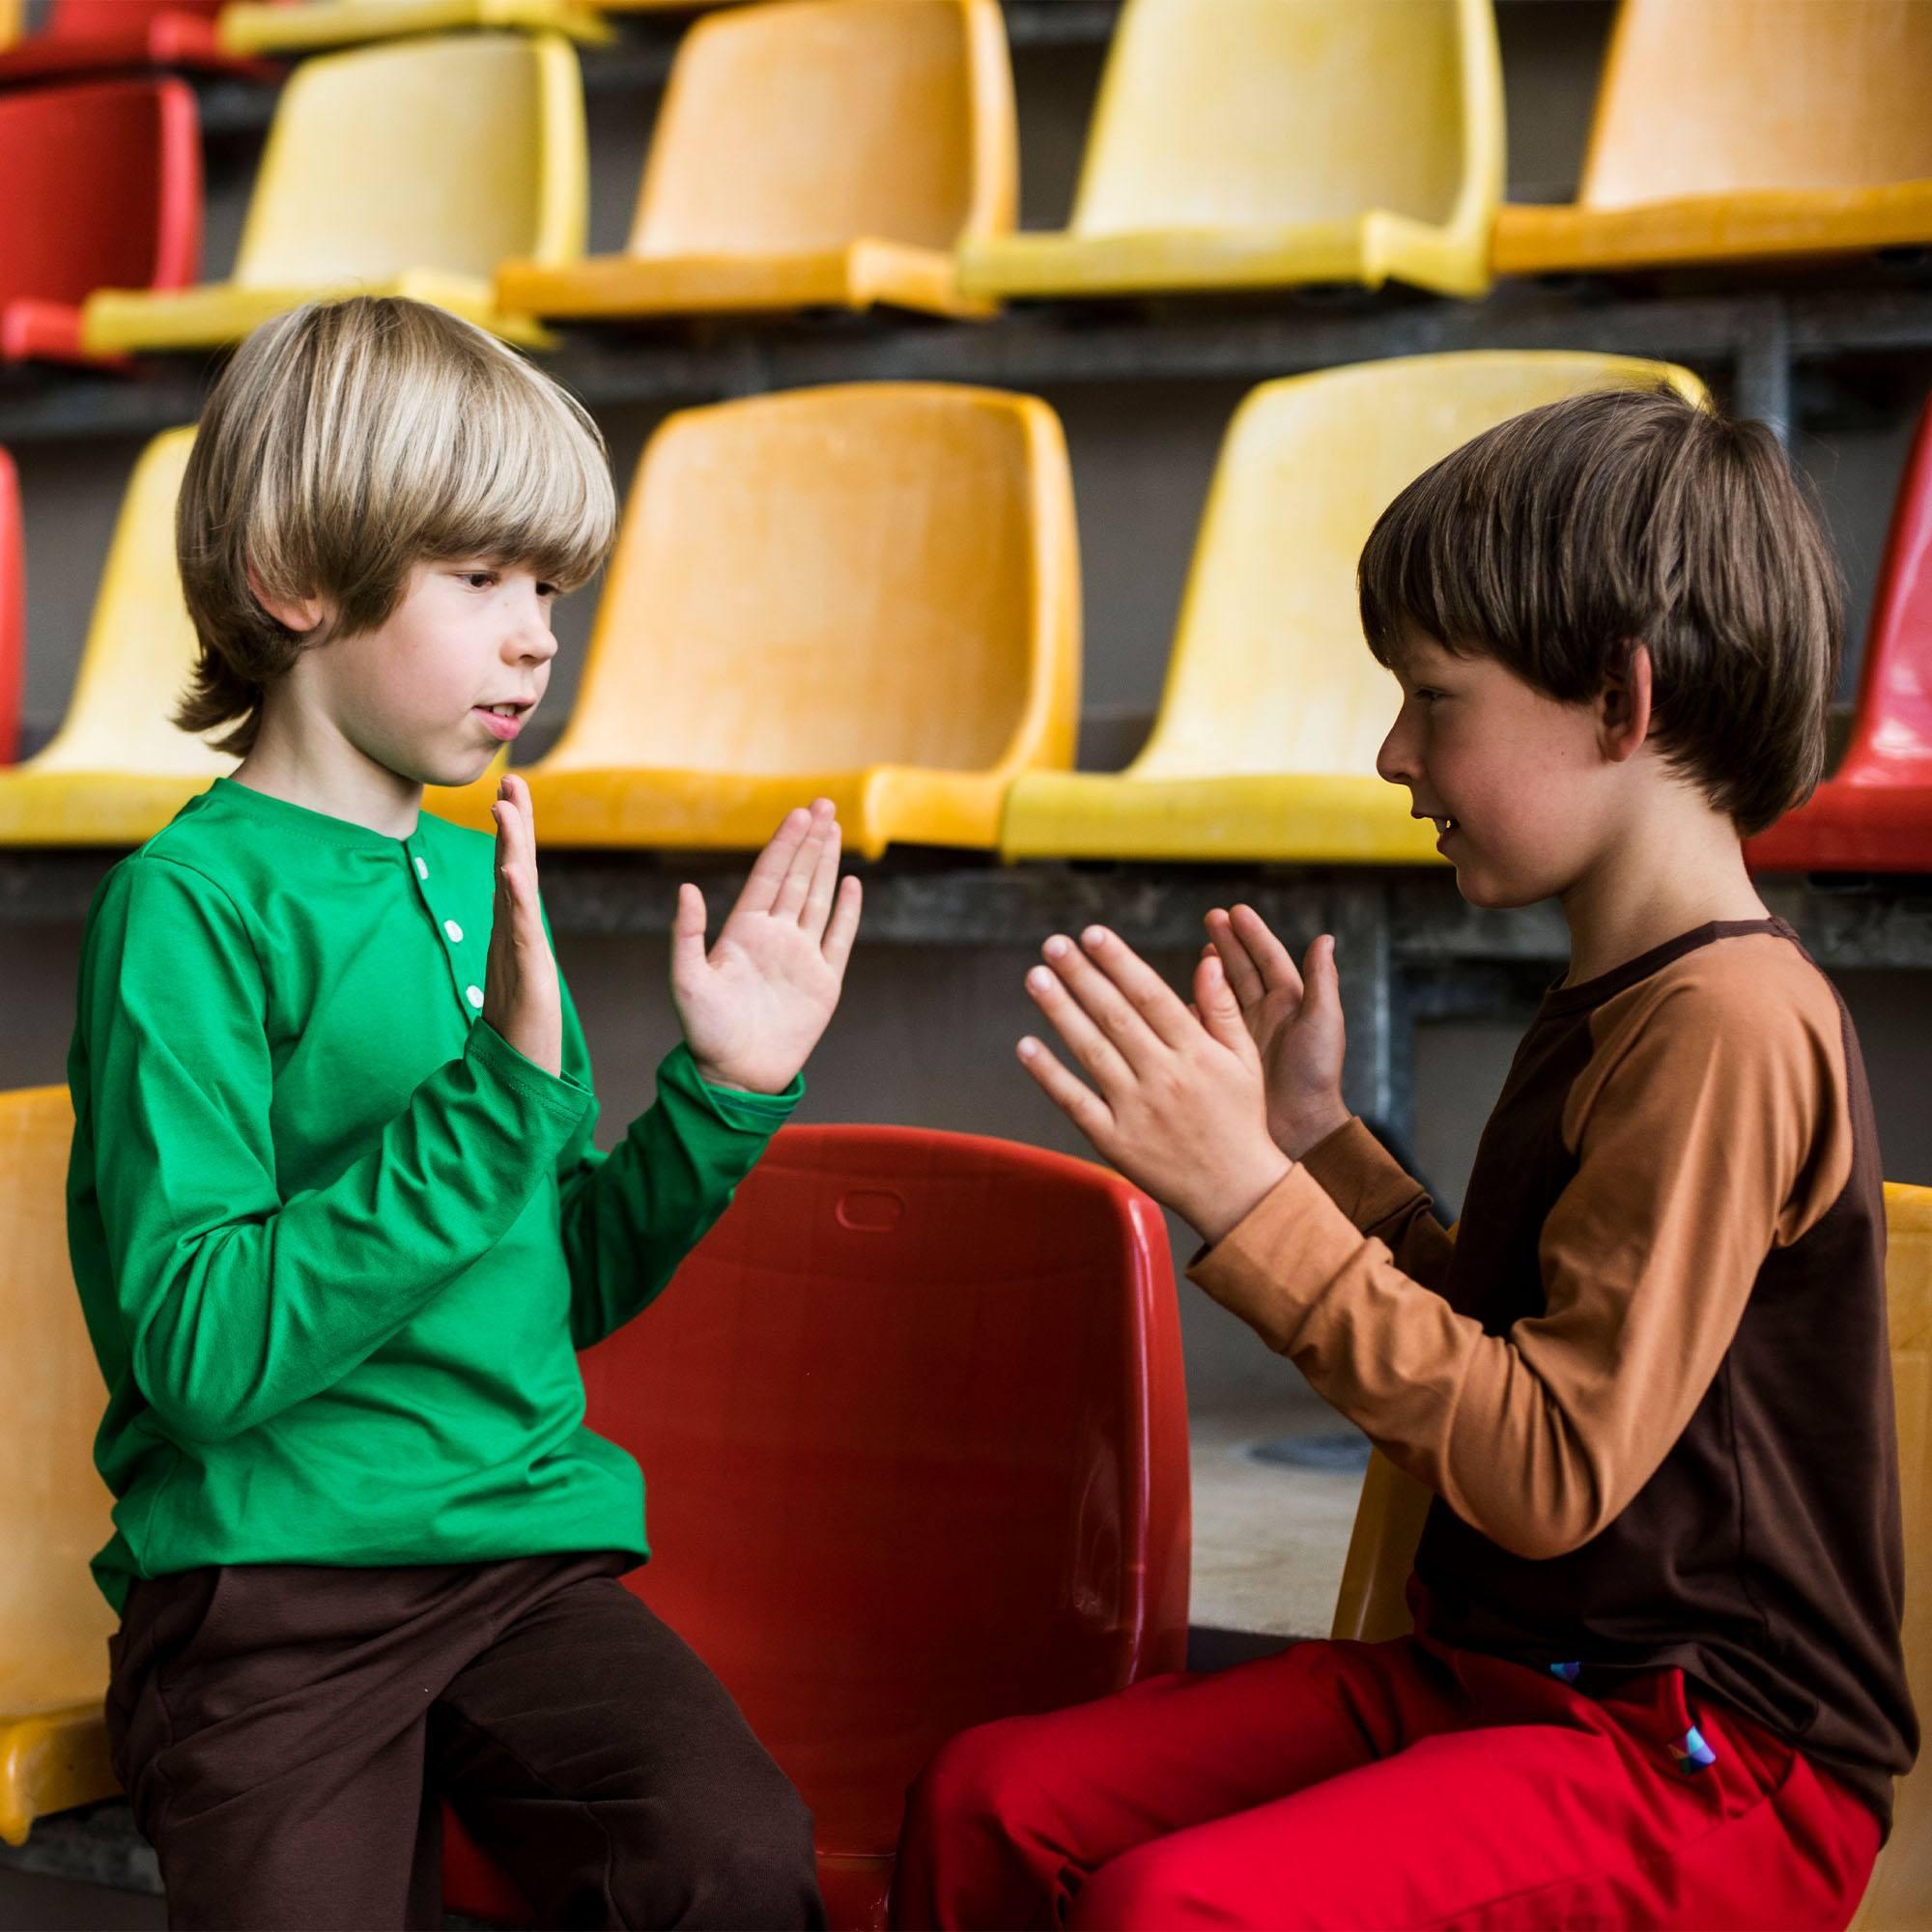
299, 615
1623, 707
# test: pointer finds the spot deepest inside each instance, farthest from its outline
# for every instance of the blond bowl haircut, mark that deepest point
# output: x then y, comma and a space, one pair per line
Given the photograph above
348, 441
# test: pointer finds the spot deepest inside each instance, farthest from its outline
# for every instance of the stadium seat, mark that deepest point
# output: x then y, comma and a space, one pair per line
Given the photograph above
13, 612
104, 189
915, 1429
55, 1623
311, 26
12, 12
1247, 144
1718, 140
812, 153
1265, 748
1874, 814
403, 170
82, 37
870, 592
1370, 1605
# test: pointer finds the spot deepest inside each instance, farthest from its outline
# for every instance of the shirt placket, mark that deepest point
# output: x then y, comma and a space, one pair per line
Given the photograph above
462, 950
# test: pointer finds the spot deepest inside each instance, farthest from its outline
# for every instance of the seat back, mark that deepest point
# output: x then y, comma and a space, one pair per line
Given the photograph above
104, 189
1899, 1898
140, 646
1269, 673
446, 153
1892, 729
13, 610
1719, 96
834, 577
116, 20
817, 122
915, 1429
55, 1623
1274, 113
1388, 1526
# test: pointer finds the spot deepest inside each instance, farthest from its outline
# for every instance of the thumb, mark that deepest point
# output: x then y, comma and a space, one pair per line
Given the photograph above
1320, 978
1220, 1011
687, 934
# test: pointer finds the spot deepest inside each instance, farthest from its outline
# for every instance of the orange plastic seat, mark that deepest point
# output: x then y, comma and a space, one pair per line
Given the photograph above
1726, 131
406, 169
915, 1429
104, 189
54, 1509
1388, 1526
811, 154
13, 610
869, 592
83, 37
313, 26
1874, 814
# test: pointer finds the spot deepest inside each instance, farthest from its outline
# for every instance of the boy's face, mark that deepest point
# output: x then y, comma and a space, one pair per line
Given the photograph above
412, 693
1521, 778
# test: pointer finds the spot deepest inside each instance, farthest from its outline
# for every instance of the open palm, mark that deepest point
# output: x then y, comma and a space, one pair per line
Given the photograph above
755, 1005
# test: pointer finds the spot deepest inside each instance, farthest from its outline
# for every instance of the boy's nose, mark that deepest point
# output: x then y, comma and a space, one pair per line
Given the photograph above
1394, 762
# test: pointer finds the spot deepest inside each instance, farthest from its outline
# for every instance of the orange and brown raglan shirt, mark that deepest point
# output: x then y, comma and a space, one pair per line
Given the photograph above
1647, 1381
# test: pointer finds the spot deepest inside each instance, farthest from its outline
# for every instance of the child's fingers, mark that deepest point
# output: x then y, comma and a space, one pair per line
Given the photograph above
768, 873
1158, 1005
817, 908
687, 932
797, 881
1216, 1008
845, 927
1076, 1100
1244, 977
1090, 1041
1271, 956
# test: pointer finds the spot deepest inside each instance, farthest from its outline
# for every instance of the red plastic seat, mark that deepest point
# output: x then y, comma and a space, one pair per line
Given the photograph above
1874, 814
103, 190
915, 1432
13, 612
104, 35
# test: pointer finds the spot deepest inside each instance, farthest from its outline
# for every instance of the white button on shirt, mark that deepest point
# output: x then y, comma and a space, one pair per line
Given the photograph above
455, 931
422, 870
474, 995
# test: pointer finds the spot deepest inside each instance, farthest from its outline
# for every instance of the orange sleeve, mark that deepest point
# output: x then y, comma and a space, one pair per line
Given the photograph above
1708, 1125
1382, 1198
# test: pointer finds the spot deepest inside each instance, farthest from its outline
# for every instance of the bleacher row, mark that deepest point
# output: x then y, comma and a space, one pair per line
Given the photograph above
911, 549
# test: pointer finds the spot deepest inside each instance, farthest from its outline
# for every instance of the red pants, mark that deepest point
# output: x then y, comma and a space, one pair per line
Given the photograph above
1399, 1784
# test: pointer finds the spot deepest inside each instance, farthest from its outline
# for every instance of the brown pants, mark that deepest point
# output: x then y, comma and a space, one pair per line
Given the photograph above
284, 1732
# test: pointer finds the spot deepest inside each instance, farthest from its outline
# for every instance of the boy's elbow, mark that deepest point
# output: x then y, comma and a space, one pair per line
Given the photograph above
191, 1416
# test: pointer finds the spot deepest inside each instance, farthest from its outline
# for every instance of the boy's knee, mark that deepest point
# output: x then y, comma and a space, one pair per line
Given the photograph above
1153, 1885
753, 1868
977, 1780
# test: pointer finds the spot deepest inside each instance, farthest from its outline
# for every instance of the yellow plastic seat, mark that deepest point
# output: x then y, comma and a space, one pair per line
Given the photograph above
1369, 1606
1243, 144
54, 1509
1726, 132
867, 592
274, 27
117, 770
811, 153
404, 170
11, 14
1265, 747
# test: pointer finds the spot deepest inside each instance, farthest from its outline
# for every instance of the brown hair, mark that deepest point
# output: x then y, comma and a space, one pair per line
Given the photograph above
1562, 537
348, 441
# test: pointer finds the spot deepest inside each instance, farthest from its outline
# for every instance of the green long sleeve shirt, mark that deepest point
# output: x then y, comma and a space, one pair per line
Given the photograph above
337, 1242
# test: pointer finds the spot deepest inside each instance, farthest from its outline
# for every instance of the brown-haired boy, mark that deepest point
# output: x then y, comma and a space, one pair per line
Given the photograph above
1655, 1675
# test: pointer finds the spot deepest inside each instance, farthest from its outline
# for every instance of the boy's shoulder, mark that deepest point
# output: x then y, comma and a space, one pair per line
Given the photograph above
1749, 985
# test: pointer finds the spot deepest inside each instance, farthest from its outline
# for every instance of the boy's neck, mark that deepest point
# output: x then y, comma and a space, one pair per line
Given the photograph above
322, 770
1644, 891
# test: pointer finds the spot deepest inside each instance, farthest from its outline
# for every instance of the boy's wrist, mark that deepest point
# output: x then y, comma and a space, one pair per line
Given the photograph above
1296, 1134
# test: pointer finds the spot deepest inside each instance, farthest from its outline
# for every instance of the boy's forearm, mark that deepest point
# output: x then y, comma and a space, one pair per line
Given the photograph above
1381, 1197
630, 1219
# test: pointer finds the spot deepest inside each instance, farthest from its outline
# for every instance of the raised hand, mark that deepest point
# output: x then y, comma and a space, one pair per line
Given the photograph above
520, 995
753, 1007
1177, 1102
1294, 1019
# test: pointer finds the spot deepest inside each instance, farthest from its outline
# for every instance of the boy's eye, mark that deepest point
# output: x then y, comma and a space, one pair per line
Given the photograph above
479, 580
546, 589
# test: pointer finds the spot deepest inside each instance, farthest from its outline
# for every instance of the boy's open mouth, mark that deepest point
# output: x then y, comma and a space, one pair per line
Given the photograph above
1442, 822
504, 719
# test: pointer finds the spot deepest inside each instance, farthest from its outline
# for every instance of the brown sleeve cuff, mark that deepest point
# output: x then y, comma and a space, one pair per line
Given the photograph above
1271, 1267
1360, 1176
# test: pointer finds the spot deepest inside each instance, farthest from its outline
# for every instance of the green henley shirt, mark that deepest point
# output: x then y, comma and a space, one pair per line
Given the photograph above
337, 1242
